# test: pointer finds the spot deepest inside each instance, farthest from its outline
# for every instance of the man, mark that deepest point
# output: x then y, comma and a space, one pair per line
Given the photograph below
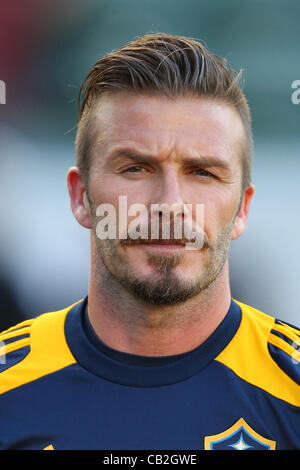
158, 355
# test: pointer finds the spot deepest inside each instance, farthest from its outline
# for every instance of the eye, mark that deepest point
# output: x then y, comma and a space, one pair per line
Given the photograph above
201, 172
134, 169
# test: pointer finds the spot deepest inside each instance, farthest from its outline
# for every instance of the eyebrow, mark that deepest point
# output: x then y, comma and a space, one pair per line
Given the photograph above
205, 161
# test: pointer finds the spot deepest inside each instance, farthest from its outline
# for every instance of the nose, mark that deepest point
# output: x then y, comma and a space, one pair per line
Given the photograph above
169, 196
167, 208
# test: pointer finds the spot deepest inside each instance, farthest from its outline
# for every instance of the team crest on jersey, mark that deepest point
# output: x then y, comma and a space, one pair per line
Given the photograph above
240, 436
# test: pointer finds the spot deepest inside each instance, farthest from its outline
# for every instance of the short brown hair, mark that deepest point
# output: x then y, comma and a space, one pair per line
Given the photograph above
168, 65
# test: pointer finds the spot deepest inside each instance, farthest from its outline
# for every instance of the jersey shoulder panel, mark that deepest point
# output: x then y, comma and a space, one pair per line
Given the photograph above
14, 344
284, 348
258, 355
33, 349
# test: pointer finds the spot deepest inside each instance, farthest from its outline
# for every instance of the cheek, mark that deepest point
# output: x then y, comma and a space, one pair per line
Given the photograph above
219, 212
109, 187
122, 198
105, 191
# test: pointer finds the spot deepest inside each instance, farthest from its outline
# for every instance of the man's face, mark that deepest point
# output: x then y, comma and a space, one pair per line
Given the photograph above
154, 150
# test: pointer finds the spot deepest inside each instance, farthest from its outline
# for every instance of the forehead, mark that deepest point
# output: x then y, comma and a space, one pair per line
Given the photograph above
164, 126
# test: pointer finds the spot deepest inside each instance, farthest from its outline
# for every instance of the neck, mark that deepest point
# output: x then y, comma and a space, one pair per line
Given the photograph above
130, 325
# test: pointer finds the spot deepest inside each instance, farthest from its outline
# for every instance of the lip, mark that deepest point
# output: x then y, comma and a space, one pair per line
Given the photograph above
163, 246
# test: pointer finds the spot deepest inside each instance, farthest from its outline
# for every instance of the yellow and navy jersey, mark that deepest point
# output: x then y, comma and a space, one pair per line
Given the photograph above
62, 388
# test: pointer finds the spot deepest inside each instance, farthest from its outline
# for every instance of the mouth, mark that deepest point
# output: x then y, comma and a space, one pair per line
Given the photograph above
163, 242
163, 245
168, 243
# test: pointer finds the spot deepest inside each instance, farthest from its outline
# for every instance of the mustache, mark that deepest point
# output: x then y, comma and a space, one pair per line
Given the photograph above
165, 237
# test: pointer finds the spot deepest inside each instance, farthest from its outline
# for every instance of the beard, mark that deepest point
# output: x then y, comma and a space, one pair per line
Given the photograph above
163, 286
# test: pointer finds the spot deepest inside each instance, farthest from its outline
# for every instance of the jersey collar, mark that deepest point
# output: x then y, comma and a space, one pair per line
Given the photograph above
119, 368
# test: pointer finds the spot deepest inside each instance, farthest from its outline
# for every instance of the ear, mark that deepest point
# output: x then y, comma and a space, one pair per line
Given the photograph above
242, 217
78, 198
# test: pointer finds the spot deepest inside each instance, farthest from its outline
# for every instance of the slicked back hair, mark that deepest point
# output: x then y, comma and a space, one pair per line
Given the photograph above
167, 65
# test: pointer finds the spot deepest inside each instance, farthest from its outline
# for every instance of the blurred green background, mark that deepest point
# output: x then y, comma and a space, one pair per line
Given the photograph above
46, 49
